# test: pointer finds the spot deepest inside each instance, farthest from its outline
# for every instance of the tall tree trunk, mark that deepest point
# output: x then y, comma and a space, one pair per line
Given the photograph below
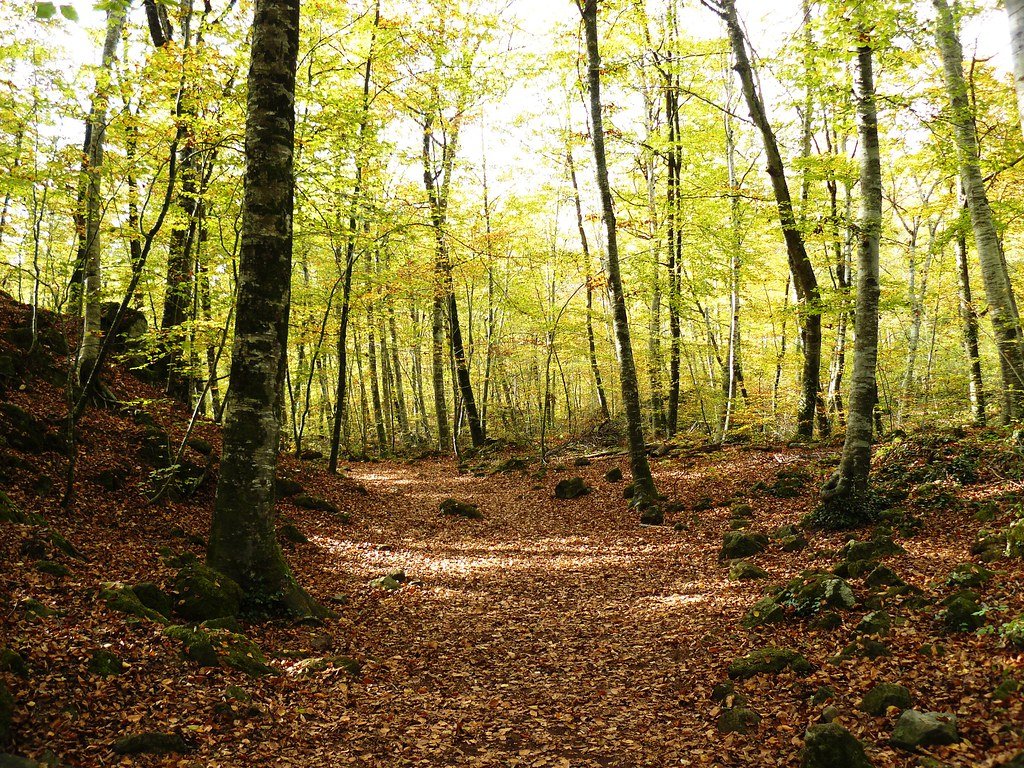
998, 291
969, 324
371, 361
243, 543
1015, 14
96, 130
645, 491
800, 266
851, 478
673, 230
396, 366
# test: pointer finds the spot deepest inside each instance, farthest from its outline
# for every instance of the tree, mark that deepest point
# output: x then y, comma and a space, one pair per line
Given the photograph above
243, 543
1015, 15
645, 492
1002, 308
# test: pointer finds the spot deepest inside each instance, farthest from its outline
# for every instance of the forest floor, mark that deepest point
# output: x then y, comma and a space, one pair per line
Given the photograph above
548, 633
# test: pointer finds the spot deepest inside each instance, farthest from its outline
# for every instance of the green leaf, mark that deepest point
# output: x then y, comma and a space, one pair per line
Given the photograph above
69, 12
45, 10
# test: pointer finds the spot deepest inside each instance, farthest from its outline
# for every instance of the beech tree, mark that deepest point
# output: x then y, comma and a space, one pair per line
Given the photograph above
243, 543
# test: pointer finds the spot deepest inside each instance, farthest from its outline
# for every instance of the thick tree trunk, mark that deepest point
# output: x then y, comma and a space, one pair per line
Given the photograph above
998, 291
96, 130
243, 543
800, 266
645, 491
851, 478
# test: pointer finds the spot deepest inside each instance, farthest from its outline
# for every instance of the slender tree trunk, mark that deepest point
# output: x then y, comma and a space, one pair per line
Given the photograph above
645, 491
800, 266
371, 361
396, 365
969, 323
92, 333
243, 543
673, 236
1015, 15
998, 291
851, 478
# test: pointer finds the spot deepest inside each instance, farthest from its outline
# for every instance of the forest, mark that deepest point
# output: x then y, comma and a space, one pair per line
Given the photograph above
561, 383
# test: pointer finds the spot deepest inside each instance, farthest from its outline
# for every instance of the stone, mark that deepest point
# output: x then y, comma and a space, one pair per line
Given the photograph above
1015, 539
884, 695
456, 508
13, 761
743, 570
13, 662
6, 714
736, 544
969, 575
883, 576
836, 593
305, 501
51, 568
769, 660
22, 430
613, 475
829, 714
571, 488
105, 663
989, 546
203, 593
581, 461
764, 611
386, 583
154, 598
741, 511
511, 464
36, 608
152, 743
703, 504
794, 543
875, 623
962, 613
827, 620
738, 720
924, 729
290, 532
651, 514
786, 531
219, 648
286, 486
829, 745
823, 694
863, 647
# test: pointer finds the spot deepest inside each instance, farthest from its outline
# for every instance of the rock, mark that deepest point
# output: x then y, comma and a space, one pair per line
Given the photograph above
629, 491
875, 623
112, 479
13, 761
1015, 539
769, 660
703, 504
290, 532
823, 694
764, 611
863, 647
154, 447
613, 475
878, 546
581, 461
22, 430
1006, 689
829, 745
829, 714
924, 729
813, 591
220, 648
651, 514
230, 623
884, 695
883, 576
154, 598
311, 454
789, 483
385, 582
51, 568
739, 524
6, 714
786, 531
1013, 632
203, 593
723, 691
968, 575
152, 743
456, 508
742, 570
738, 720
736, 544
105, 663
286, 486
306, 501
571, 488
511, 464
308, 667
32, 606
13, 662
741, 511
794, 543
962, 613
827, 620
989, 546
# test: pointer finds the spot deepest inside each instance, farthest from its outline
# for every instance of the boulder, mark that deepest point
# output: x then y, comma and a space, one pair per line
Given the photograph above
769, 660
306, 501
962, 613
883, 576
151, 596
829, 745
884, 695
613, 475
123, 599
738, 720
736, 544
764, 611
286, 486
989, 546
571, 488
969, 575
1015, 539
863, 647
203, 593
924, 729
875, 623
219, 648
456, 508
152, 743
51, 568
827, 620
794, 543
743, 570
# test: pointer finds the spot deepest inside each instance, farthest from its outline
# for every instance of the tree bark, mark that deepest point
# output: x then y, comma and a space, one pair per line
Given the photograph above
1015, 15
243, 543
645, 491
969, 325
998, 290
851, 478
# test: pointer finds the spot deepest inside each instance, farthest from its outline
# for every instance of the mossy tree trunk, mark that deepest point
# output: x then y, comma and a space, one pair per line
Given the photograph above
645, 491
998, 291
851, 478
243, 543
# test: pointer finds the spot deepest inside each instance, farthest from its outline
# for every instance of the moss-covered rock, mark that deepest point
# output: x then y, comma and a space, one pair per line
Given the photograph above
875, 623
737, 720
764, 611
827, 621
455, 508
863, 648
813, 591
969, 575
386, 583
884, 695
203, 593
741, 511
924, 729
105, 663
286, 486
737, 544
33, 607
1015, 539
318, 664
305, 501
13, 662
829, 745
962, 613
989, 546
151, 596
290, 532
152, 743
613, 475
52, 568
883, 576
220, 648
571, 488
743, 570
769, 660
6, 713
123, 599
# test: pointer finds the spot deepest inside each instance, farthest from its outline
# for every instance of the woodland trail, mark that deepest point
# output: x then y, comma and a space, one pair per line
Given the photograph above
552, 633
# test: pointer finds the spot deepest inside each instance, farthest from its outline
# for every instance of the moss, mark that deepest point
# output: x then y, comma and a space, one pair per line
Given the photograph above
571, 488
456, 508
829, 745
884, 695
769, 660
613, 475
105, 663
6, 713
36, 608
152, 743
13, 662
204, 593
151, 596
219, 648
51, 568
305, 501
290, 532
123, 599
